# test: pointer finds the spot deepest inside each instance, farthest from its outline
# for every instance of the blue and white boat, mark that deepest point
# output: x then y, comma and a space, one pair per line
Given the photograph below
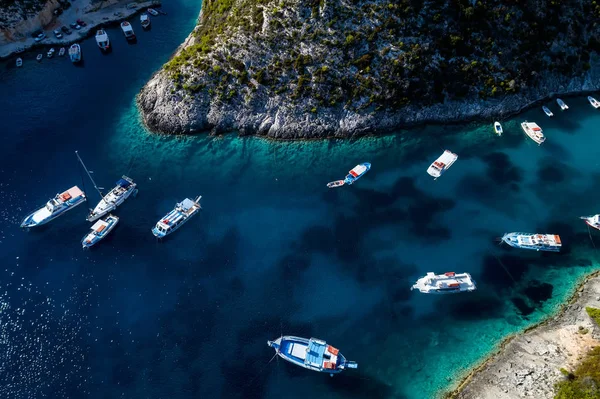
498, 128
183, 212
538, 242
313, 354
356, 173
447, 283
592, 221
123, 190
56, 207
75, 53
99, 230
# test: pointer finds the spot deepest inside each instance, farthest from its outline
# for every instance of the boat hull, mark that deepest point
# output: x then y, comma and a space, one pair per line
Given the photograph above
103, 208
183, 219
88, 242
512, 240
350, 179
30, 221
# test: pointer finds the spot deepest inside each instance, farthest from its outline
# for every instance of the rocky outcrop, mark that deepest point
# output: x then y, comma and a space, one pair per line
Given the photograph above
21, 18
529, 364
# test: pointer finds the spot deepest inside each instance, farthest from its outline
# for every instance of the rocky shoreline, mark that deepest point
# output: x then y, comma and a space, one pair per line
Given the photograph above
528, 364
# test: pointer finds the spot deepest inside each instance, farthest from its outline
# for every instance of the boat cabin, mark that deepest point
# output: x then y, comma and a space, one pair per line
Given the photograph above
177, 216
316, 355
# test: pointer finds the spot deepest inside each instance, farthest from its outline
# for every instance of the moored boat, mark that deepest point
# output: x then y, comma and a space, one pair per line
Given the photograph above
183, 212
442, 164
145, 21
50, 53
102, 40
19, 62
99, 230
75, 53
56, 207
562, 104
61, 52
127, 30
312, 354
447, 283
498, 128
356, 173
534, 132
547, 111
39, 57
337, 183
592, 221
594, 102
153, 12
538, 242
123, 190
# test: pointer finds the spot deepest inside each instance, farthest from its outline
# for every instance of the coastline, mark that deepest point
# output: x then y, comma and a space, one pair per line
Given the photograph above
508, 372
107, 16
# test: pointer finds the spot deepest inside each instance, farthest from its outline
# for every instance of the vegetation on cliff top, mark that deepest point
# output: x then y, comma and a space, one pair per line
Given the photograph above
379, 53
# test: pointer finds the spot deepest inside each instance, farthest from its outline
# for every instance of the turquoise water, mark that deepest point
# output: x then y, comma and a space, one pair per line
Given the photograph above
274, 251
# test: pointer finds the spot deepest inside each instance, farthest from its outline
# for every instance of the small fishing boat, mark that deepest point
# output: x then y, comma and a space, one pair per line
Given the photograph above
145, 21
123, 190
19, 62
56, 207
312, 354
61, 52
594, 102
592, 221
547, 111
562, 104
127, 30
50, 53
498, 128
99, 230
534, 132
442, 164
183, 212
102, 40
356, 173
153, 12
538, 242
75, 53
447, 283
337, 183
39, 57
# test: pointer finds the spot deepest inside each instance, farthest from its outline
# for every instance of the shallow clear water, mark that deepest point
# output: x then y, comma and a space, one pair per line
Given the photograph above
273, 251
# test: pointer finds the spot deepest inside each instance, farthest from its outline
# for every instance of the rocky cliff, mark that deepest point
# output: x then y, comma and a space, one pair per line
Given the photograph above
323, 68
18, 18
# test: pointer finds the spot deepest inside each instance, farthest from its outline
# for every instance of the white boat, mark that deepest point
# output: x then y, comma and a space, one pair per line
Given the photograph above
145, 21
123, 190
592, 221
562, 104
538, 242
547, 111
442, 164
39, 57
102, 40
56, 207
19, 62
447, 283
75, 53
99, 230
50, 53
127, 30
153, 12
533, 131
183, 211
498, 128
594, 102
61, 52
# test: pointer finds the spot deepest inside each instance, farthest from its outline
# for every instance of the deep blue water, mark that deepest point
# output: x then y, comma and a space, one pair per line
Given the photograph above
273, 251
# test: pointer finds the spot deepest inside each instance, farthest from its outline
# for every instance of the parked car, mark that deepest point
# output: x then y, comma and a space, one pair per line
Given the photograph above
81, 23
40, 37
37, 33
57, 33
74, 25
66, 30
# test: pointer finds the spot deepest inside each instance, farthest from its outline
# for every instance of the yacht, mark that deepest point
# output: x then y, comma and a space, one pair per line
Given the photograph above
127, 30
442, 164
562, 104
538, 242
109, 202
61, 52
99, 230
592, 221
547, 111
75, 53
19, 62
533, 131
498, 128
447, 283
153, 12
102, 40
39, 57
56, 207
356, 173
145, 21
50, 53
594, 102
183, 212
312, 354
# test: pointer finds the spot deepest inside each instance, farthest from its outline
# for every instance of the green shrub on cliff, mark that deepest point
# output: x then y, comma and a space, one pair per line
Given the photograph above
594, 314
585, 383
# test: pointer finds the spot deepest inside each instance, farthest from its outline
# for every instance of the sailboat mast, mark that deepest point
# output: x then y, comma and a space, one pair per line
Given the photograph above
88, 173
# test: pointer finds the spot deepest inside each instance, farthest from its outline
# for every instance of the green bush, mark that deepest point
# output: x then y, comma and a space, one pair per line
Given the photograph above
594, 314
584, 383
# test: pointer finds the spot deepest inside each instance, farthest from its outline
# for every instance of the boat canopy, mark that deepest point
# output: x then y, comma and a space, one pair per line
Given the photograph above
187, 204
123, 183
99, 226
358, 170
314, 356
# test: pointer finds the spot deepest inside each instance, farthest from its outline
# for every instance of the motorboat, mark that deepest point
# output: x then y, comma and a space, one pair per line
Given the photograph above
442, 164
127, 30
447, 283
61, 52
356, 173
56, 207
102, 40
99, 230
75, 53
498, 128
547, 111
153, 12
182, 212
594, 102
538, 242
563, 106
312, 354
39, 57
124, 188
534, 132
592, 221
145, 21
19, 62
